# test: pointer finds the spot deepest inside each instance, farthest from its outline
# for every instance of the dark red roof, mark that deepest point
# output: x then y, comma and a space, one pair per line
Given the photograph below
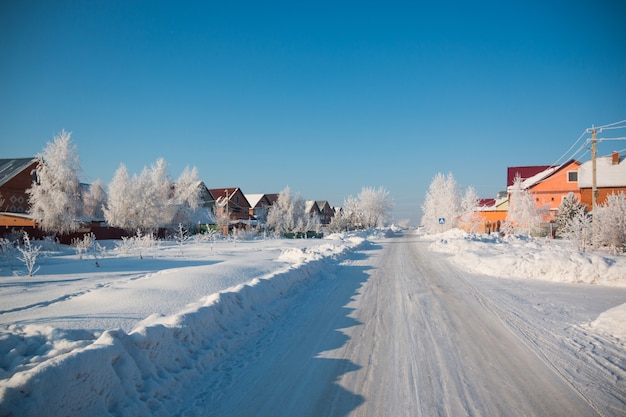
486, 202
524, 172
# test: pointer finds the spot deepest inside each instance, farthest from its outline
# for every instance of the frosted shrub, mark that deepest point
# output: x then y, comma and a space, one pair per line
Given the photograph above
7, 248
245, 233
88, 245
181, 236
137, 244
83, 245
29, 255
609, 228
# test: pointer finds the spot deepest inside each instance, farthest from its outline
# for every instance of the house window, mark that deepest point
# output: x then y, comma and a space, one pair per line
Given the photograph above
572, 176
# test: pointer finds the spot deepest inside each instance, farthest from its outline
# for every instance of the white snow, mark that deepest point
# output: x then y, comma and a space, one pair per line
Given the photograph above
81, 339
524, 257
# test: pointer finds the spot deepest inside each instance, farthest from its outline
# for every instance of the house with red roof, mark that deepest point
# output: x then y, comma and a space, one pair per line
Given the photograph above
232, 201
549, 186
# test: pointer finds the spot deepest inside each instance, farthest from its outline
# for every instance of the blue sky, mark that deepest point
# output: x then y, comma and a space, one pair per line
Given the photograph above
325, 97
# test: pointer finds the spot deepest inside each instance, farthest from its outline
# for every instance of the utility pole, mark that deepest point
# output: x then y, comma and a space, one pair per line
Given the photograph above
594, 181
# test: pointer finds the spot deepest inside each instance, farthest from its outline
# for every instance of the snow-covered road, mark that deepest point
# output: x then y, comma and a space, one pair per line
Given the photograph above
397, 330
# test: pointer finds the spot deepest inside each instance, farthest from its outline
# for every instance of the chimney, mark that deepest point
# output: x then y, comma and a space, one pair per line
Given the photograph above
615, 159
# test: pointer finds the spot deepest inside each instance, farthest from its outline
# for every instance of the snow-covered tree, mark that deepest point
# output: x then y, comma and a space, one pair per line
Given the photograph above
609, 224
221, 214
469, 219
151, 200
569, 209
339, 222
54, 198
94, 200
288, 214
353, 214
523, 215
376, 205
187, 195
156, 190
443, 200
121, 208
578, 230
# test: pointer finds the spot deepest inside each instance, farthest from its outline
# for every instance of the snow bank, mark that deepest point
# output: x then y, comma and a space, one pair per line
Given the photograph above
141, 372
524, 257
612, 322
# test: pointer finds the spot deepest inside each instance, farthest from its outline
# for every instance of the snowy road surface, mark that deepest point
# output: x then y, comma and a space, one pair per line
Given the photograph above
399, 331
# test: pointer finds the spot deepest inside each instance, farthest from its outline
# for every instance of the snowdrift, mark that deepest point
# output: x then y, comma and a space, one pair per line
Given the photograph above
141, 372
526, 257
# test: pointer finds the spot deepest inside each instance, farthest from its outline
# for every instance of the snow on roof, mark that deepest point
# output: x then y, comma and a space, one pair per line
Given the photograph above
9, 168
542, 174
535, 179
607, 173
254, 199
309, 204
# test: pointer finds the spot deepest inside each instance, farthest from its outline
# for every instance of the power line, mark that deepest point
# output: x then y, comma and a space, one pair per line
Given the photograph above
571, 147
609, 126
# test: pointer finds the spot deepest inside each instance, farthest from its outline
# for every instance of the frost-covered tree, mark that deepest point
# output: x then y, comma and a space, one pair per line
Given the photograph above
578, 230
288, 214
156, 190
221, 214
443, 200
94, 200
339, 222
569, 209
469, 219
187, 199
353, 214
609, 224
121, 208
151, 200
54, 198
523, 215
376, 205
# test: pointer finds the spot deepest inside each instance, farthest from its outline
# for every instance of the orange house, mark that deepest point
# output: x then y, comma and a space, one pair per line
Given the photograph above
551, 185
610, 178
492, 214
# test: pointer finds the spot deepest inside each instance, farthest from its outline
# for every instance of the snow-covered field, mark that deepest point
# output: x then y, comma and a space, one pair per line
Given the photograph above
125, 336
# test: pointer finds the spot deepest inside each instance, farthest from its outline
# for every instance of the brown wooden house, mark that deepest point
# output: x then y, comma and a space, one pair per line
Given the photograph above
232, 201
260, 205
16, 176
326, 211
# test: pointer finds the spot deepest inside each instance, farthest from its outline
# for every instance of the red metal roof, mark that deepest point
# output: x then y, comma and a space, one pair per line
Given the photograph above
524, 172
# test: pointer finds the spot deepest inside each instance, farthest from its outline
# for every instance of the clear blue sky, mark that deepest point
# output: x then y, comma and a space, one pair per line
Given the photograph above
326, 97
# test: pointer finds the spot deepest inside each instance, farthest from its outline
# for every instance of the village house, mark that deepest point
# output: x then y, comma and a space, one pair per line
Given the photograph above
16, 176
233, 203
260, 205
610, 178
549, 186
